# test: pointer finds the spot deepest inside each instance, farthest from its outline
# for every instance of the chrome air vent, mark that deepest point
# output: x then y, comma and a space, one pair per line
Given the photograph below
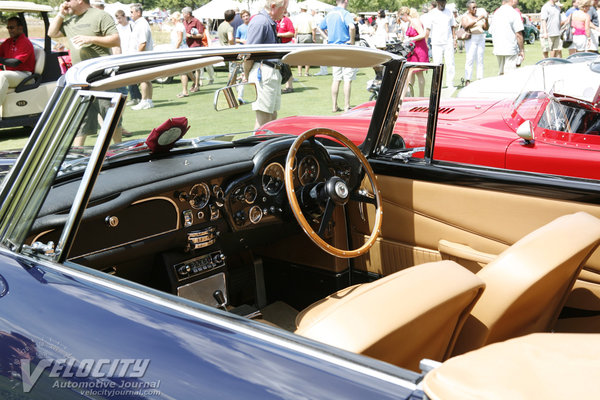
442, 110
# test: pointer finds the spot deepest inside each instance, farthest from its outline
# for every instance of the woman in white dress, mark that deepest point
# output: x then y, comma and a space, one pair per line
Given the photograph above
383, 29
177, 31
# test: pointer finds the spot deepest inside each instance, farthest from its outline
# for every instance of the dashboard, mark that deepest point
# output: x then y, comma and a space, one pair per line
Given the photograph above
147, 218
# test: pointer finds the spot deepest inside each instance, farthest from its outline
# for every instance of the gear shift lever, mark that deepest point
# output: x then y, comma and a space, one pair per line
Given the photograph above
220, 298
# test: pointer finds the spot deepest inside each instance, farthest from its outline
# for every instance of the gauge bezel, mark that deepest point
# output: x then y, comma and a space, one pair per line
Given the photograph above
254, 195
197, 188
260, 213
306, 159
264, 174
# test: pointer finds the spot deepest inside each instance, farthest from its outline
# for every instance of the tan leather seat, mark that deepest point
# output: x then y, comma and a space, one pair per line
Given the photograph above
537, 366
412, 314
527, 285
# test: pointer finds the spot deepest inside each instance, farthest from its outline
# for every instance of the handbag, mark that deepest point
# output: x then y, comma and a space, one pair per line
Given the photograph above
567, 34
463, 34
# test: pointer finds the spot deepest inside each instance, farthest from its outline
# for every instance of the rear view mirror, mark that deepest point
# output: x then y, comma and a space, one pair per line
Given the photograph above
234, 96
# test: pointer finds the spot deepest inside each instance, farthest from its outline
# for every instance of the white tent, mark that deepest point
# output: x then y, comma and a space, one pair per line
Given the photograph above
316, 5
216, 8
112, 8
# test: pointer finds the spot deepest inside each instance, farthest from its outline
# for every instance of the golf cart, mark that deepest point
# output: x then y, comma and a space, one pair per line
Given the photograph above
25, 103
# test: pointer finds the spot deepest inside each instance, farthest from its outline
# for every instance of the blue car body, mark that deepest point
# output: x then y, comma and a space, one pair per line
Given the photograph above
52, 313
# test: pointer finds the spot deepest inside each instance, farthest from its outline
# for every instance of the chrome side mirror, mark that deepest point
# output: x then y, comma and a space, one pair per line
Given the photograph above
525, 132
234, 96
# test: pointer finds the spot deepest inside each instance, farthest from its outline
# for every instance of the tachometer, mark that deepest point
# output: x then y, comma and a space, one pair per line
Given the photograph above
272, 178
308, 170
199, 195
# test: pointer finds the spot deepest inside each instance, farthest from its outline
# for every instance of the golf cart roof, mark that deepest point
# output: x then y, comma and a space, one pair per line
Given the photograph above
23, 6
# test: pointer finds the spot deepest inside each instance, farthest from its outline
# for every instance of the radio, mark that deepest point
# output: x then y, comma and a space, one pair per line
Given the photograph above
199, 265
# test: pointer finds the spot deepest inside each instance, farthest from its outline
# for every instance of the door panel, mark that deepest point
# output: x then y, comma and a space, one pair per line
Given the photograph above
418, 214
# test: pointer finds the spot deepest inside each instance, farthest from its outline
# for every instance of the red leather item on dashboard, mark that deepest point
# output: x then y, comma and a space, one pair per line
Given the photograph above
163, 137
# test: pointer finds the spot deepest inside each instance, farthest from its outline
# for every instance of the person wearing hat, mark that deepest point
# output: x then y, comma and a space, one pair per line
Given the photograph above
305, 32
99, 4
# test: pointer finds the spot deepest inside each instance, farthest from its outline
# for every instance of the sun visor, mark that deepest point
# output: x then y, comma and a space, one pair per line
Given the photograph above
149, 74
338, 56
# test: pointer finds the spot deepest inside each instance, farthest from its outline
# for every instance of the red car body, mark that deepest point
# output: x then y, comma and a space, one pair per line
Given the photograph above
484, 132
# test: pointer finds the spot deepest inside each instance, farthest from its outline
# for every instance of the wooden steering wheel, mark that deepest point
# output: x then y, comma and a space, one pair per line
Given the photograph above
333, 192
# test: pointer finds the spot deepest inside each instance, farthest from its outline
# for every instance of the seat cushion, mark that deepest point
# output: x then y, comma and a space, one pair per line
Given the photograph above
405, 317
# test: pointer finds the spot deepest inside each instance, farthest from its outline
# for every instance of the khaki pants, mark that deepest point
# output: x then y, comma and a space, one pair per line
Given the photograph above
10, 79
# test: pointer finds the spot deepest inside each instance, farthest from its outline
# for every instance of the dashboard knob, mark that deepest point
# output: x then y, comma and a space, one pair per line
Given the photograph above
184, 270
219, 258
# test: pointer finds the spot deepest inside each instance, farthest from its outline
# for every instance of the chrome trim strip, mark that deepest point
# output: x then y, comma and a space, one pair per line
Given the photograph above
178, 224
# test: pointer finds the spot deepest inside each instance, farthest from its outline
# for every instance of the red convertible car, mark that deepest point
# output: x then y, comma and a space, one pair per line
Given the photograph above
538, 131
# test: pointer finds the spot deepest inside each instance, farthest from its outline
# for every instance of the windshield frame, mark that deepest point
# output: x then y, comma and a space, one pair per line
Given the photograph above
34, 173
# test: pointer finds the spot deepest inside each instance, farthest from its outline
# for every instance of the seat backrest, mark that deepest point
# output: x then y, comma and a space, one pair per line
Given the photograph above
528, 284
412, 314
40, 59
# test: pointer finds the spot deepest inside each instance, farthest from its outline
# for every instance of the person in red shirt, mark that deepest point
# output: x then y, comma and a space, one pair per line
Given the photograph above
196, 35
285, 34
17, 56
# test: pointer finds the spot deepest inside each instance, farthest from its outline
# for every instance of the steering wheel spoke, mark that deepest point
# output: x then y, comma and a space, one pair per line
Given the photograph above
326, 217
334, 191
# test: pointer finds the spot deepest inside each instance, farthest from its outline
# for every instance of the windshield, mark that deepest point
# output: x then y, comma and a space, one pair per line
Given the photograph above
204, 115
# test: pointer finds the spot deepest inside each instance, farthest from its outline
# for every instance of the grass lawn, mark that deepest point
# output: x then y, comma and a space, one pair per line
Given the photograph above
311, 96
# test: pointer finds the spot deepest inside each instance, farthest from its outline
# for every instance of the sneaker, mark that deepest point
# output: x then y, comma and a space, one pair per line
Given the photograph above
143, 105
132, 102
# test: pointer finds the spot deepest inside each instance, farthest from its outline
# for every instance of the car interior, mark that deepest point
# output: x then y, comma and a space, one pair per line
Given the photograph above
453, 262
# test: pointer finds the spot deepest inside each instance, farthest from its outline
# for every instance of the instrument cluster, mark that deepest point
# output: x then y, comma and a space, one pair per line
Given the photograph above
202, 202
261, 199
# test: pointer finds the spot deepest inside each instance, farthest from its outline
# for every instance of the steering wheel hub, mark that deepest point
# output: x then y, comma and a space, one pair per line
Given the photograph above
337, 190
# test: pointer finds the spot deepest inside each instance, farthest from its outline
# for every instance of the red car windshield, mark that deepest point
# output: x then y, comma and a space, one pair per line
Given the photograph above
528, 104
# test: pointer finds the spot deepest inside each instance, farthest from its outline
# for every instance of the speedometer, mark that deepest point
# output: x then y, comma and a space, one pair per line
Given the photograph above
273, 178
308, 170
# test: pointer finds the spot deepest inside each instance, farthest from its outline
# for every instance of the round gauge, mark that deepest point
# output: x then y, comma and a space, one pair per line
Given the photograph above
255, 214
272, 178
250, 194
199, 195
308, 170
218, 191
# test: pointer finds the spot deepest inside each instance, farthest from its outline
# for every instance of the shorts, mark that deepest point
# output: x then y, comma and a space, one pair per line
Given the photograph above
551, 43
579, 42
90, 124
593, 44
305, 38
268, 89
344, 73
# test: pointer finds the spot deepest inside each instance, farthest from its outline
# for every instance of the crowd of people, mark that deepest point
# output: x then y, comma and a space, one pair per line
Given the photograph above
434, 33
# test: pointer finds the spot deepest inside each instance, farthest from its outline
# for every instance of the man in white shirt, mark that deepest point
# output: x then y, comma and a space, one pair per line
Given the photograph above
507, 36
141, 37
440, 29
